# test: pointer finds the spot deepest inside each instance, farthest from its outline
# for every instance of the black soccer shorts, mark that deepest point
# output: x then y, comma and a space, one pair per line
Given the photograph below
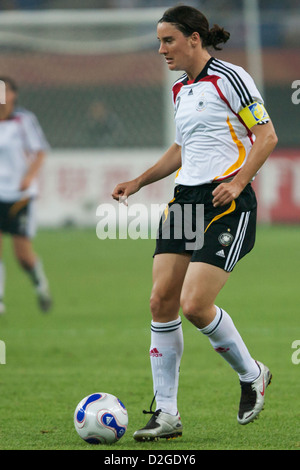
228, 232
18, 217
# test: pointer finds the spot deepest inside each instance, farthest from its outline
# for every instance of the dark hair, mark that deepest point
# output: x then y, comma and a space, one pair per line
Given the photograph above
189, 20
9, 81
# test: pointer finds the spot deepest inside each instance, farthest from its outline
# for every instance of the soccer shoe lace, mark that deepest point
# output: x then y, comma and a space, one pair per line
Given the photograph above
151, 404
253, 396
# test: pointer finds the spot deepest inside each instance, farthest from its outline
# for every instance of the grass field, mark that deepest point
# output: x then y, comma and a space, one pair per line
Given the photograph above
96, 339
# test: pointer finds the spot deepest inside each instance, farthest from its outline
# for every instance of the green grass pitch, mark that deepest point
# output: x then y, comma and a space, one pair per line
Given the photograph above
97, 337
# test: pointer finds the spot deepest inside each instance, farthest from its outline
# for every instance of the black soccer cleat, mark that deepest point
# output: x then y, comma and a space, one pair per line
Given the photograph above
253, 396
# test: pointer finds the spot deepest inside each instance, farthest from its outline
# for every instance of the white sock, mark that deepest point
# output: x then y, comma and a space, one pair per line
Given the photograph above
227, 341
37, 276
2, 279
165, 355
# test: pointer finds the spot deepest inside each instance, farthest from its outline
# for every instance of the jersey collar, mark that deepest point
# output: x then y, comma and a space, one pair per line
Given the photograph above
202, 74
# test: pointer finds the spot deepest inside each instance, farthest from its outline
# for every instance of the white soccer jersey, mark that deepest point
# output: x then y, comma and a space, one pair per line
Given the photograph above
21, 137
212, 115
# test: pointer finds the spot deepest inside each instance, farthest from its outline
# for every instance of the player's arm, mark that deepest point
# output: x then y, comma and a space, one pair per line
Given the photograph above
265, 142
33, 170
166, 165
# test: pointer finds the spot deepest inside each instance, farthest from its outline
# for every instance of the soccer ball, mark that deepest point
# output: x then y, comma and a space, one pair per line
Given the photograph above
100, 418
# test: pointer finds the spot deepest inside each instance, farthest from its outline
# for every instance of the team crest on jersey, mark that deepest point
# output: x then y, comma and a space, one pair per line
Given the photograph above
225, 239
201, 105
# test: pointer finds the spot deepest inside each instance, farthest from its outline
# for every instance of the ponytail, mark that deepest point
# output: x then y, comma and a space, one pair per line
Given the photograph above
215, 36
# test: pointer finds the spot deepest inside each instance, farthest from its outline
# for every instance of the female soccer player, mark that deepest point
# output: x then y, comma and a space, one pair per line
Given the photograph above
22, 152
223, 137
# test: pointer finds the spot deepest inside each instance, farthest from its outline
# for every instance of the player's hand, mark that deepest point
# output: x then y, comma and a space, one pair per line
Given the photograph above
123, 190
225, 193
25, 183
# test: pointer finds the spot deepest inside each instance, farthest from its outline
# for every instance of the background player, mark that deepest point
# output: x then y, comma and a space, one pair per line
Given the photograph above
22, 151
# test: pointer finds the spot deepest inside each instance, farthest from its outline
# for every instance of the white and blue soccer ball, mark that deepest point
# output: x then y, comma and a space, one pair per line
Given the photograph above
100, 418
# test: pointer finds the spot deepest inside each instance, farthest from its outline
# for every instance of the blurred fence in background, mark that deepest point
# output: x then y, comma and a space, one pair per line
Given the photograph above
102, 95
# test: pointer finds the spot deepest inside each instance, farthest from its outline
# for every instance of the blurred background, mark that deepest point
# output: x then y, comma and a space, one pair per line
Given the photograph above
90, 71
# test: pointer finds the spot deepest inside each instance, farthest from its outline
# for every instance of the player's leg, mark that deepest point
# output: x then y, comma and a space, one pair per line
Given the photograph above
33, 266
166, 345
21, 224
166, 331
201, 286
168, 274
2, 278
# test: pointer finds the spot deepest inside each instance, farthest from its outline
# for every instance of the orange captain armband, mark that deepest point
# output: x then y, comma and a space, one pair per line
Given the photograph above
254, 114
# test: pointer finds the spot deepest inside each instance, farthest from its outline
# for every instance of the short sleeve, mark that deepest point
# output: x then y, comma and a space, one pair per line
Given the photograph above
243, 96
178, 137
239, 88
33, 135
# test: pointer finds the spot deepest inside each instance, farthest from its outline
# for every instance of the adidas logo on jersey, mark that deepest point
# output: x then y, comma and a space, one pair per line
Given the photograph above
190, 92
221, 253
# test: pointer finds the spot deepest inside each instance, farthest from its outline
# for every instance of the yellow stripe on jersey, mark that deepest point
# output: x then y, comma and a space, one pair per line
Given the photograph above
254, 114
177, 172
228, 211
241, 149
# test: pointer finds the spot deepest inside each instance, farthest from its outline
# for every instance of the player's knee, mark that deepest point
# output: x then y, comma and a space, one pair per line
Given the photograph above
162, 307
189, 310
23, 261
156, 303
193, 310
